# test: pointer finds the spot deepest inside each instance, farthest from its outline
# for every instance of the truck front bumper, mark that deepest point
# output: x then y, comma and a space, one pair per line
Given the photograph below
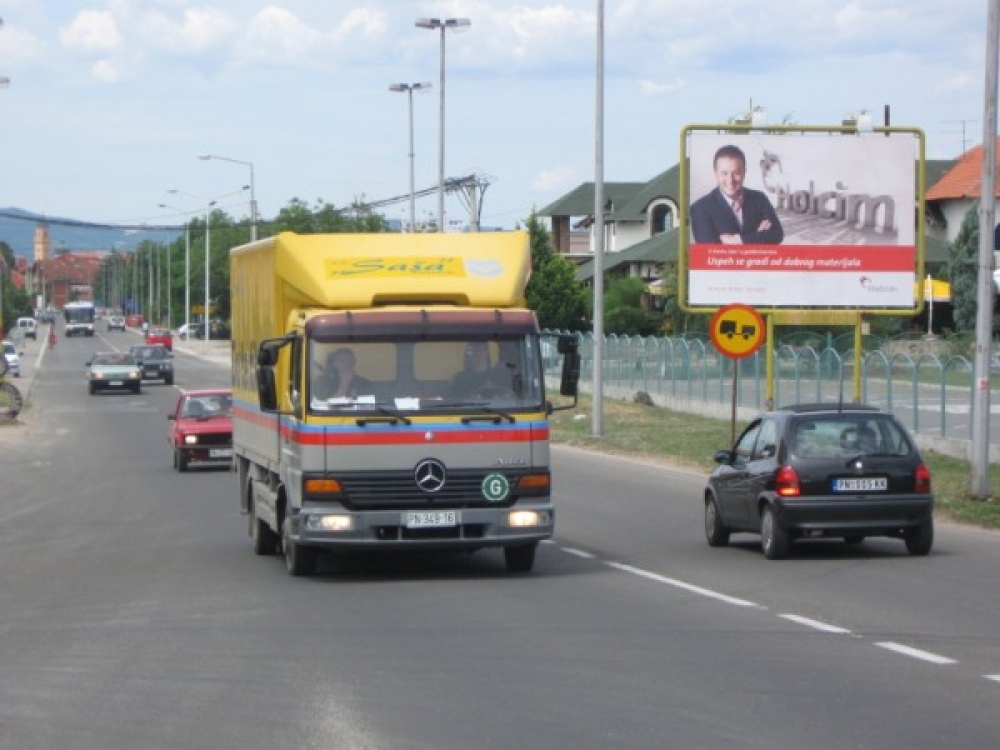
470, 528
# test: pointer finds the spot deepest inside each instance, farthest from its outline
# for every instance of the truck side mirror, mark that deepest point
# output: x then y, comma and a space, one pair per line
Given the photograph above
267, 393
568, 346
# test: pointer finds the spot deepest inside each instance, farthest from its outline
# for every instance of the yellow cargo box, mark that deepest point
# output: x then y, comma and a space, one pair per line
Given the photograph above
355, 271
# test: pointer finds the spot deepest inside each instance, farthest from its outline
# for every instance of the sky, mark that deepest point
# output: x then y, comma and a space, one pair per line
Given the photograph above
110, 102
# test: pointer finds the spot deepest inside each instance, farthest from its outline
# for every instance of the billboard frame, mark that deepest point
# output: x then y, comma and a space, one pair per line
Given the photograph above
684, 239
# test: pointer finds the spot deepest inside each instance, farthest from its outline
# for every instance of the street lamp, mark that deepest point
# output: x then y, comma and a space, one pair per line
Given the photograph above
253, 199
443, 24
409, 88
208, 255
187, 269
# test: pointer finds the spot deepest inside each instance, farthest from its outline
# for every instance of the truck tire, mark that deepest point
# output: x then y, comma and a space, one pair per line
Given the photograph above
265, 541
521, 558
299, 561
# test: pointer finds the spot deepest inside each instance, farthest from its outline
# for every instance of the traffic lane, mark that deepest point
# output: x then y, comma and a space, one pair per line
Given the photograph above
162, 603
650, 516
172, 631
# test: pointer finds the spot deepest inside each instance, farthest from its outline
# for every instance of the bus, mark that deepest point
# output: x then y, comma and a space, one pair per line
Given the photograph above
79, 317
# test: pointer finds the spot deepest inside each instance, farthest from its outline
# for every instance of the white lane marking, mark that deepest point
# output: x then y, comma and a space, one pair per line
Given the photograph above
816, 624
682, 585
994, 677
916, 653
579, 553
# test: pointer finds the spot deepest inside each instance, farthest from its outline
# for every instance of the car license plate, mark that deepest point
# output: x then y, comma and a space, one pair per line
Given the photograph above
115, 382
430, 519
220, 453
861, 484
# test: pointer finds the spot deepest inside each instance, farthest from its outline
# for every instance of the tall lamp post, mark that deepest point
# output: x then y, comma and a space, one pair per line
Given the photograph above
187, 270
409, 88
443, 24
253, 198
208, 256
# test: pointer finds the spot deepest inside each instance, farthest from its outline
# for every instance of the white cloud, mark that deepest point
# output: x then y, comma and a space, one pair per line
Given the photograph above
92, 31
556, 179
653, 88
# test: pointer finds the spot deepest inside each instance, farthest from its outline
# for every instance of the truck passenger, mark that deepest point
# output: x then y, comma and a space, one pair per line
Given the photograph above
339, 379
478, 373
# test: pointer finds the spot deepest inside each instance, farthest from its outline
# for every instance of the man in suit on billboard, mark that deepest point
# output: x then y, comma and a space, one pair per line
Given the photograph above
732, 214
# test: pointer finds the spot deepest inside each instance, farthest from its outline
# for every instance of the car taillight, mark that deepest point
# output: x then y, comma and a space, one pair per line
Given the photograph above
786, 482
922, 479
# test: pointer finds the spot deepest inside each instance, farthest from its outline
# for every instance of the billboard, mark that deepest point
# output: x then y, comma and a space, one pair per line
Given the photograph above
792, 219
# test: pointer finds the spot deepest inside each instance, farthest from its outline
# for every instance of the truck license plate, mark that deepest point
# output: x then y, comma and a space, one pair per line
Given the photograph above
866, 484
430, 519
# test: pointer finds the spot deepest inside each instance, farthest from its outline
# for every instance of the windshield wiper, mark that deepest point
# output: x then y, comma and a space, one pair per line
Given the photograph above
488, 414
391, 417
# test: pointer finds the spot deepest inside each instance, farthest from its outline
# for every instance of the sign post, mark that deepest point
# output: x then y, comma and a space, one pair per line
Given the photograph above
737, 331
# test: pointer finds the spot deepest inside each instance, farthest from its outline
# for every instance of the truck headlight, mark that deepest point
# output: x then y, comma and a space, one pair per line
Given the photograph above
329, 522
526, 518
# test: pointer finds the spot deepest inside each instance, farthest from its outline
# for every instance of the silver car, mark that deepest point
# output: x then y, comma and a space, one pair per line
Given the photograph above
113, 371
13, 361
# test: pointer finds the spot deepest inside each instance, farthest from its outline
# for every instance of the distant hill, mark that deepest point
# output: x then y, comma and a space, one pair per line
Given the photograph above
17, 229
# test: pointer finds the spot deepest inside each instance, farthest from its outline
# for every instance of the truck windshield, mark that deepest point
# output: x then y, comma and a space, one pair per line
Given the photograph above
426, 375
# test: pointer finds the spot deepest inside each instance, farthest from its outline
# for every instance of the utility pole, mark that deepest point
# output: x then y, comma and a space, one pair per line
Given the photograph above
979, 485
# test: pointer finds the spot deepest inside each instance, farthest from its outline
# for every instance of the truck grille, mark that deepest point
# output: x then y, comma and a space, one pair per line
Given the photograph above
398, 489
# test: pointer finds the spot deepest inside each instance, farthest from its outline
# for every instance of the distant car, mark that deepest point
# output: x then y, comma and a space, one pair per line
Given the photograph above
160, 336
116, 323
113, 371
29, 327
155, 362
217, 331
821, 470
182, 332
13, 362
201, 428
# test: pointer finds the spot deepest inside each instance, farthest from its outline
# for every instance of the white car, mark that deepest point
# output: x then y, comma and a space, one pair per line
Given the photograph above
13, 361
182, 332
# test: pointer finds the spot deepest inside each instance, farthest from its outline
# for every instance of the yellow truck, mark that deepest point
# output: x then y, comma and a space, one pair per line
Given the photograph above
389, 394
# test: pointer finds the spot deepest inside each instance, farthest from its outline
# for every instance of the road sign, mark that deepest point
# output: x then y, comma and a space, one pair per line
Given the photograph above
737, 330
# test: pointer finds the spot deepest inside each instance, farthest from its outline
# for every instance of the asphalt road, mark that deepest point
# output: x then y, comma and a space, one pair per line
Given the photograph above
133, 614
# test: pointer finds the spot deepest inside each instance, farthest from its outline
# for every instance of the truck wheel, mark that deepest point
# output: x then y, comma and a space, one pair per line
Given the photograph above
299, 561
520, 559
265, 541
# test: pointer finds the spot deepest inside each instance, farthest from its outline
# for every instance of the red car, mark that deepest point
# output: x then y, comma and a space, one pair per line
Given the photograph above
160, 336
201, 428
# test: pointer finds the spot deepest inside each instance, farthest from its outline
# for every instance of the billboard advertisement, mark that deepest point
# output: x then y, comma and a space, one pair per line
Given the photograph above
791, 220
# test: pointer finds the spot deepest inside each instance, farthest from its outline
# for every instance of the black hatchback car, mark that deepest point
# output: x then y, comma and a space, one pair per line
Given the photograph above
821, 470
155, 361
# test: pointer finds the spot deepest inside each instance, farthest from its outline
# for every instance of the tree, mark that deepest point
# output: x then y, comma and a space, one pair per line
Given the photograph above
558, 299
964, 257
624, 312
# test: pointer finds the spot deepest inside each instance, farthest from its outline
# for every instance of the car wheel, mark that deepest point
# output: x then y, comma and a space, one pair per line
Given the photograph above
774, 538
168, 381
182, 460
92, 388
299, 561
521, 558
715, 531
920, 540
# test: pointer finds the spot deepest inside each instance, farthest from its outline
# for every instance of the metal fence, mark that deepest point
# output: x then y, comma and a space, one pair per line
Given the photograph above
930, 394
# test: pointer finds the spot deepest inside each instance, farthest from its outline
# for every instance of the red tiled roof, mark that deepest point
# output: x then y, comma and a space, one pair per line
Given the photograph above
965, 179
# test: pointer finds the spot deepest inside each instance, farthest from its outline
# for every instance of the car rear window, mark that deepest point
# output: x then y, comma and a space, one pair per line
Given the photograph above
846, 435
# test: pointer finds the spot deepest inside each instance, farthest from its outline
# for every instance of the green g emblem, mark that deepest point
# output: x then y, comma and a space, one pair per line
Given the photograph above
496, 488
